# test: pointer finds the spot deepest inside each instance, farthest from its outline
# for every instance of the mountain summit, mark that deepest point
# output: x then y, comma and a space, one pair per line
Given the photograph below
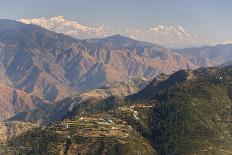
168, 36
61, 25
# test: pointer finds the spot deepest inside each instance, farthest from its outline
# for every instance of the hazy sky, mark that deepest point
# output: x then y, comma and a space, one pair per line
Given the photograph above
209, 19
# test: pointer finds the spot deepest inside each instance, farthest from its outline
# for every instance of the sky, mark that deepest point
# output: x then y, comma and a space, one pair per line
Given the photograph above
208, 19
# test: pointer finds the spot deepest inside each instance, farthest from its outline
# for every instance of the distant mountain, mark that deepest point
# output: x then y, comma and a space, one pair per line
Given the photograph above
50, 66
167, 36
209, 55
61, 25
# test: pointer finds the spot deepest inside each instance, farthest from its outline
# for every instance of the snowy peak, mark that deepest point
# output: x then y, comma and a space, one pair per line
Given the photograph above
179, 30
174, 35
168, 36
61, 25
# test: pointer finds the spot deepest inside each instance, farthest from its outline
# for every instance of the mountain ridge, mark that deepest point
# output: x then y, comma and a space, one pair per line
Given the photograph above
208, 56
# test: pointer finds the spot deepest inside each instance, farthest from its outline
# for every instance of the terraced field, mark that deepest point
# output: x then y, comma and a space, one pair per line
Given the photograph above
105, 132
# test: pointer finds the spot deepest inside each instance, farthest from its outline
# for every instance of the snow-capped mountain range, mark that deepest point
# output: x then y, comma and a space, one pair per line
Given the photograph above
61, 25
168, 36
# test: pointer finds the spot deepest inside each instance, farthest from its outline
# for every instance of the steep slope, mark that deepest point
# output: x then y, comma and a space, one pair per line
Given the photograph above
208, 56
50, 65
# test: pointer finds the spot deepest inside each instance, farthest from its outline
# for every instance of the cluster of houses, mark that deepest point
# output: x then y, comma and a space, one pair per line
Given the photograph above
133, 107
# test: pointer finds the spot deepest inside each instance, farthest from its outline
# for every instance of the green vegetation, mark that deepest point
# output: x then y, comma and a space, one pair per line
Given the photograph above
37, 141
90, 134
194, 117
